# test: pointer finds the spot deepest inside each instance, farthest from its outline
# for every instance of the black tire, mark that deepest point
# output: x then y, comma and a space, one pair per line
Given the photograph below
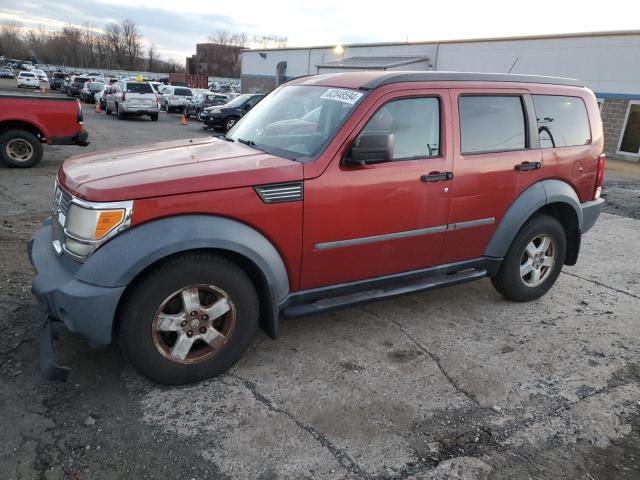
25, 136
508, 280
154, 117
142, 301
106, 109
119, 112
229, 123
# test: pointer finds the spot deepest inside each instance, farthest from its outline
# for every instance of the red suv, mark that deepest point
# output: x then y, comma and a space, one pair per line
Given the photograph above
334, 190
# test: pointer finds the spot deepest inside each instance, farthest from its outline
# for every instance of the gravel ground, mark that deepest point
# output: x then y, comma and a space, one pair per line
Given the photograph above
456, 383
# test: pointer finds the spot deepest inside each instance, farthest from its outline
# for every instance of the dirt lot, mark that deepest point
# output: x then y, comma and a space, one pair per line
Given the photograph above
456, 383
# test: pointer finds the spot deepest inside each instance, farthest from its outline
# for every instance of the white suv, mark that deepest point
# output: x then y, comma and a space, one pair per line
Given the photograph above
28, 79
129, 97
175, 98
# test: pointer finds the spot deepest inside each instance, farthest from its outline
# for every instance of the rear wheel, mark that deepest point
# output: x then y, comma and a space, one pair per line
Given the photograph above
534, 260
120, 112
20, 148
154, 117
189, 319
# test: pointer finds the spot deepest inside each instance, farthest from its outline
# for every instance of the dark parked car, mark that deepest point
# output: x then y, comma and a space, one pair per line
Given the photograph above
89, 90
226, 116
56, 82
202, 100
76, 85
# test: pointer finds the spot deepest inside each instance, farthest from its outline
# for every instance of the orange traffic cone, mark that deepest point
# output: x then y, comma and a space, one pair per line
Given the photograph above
183, 121
42, 90
97, 108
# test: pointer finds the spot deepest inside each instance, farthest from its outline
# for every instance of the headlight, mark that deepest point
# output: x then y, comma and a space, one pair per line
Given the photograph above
83, 226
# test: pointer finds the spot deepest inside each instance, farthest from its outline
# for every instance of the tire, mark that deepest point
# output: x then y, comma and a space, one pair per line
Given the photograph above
119, 112
106, 109
154, 117
522, 288
149, 349
15, 144
229, 123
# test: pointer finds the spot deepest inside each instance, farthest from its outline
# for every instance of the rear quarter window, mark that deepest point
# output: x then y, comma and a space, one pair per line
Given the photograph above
182, 92
562, 121
139, 88
491, 123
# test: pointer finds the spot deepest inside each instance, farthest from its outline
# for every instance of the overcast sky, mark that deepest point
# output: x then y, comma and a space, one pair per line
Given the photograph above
176, 26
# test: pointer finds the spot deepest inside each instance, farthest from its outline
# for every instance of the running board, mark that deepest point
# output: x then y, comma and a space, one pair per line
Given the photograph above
294, 309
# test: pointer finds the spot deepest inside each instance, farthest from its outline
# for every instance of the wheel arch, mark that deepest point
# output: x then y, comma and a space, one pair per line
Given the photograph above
123, 260
553, 197
7, 125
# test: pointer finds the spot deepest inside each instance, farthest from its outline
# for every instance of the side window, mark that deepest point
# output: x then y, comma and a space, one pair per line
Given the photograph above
562, 121
491, 124
414, 124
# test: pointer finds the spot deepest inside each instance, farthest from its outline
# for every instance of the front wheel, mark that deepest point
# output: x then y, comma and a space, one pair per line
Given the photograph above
189, 319
154, 117
534, 260
229, 123
20, 148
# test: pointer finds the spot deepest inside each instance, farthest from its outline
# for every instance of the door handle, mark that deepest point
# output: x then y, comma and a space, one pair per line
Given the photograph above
528, 166
433, 177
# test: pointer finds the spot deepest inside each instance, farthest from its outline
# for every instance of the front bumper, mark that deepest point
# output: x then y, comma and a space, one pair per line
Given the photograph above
590, 213
86, 309
213, 121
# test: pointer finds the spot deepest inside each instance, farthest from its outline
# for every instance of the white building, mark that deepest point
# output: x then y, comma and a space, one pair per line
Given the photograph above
608, 62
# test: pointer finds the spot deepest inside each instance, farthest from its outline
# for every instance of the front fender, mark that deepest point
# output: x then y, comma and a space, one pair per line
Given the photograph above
530, 201
120, 260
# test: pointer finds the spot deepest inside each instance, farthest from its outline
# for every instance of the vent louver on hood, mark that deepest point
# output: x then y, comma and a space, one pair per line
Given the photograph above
280, 192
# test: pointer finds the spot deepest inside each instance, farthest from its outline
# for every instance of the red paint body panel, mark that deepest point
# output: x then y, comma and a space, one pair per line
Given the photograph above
171, 168
54, 118
281, 223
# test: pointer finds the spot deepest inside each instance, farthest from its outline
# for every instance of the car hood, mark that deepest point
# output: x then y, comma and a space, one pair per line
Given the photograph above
170, 168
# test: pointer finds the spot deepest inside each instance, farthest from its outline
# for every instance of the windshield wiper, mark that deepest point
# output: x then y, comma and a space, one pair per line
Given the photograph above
228, 139
251, 143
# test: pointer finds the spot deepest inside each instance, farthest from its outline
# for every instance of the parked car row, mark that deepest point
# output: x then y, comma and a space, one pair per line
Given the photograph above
225, 116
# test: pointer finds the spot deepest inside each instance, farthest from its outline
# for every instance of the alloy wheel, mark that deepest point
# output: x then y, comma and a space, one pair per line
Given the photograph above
193, 324
538, 260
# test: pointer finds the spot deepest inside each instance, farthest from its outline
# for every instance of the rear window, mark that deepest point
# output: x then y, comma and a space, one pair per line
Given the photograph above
139, 88
95, 86
81, 79
491, 124
27, 75
182, 92
562, 121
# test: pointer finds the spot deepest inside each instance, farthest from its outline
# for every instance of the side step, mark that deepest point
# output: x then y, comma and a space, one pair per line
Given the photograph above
311, 307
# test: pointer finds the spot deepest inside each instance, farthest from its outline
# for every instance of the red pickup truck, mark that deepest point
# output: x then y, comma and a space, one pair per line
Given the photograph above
26, 122
406, 181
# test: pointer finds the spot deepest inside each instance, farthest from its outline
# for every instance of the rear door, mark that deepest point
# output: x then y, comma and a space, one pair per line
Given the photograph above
496, 157
377, 219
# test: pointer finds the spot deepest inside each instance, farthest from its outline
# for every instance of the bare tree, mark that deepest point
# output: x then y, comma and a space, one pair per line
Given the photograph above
12, 43
270, 41
132, 42
152, 57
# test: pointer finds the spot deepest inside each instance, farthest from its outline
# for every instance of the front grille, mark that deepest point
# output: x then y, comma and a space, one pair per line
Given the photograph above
65, 202
281, 192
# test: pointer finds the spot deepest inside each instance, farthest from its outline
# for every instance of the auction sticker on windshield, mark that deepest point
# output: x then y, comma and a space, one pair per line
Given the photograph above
341, 95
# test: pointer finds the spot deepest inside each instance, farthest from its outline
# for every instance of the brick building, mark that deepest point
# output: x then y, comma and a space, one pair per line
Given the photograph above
608, 63
214, 60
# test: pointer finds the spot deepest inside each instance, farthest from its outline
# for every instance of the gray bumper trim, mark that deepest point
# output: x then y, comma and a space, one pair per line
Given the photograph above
590, 213
47, 358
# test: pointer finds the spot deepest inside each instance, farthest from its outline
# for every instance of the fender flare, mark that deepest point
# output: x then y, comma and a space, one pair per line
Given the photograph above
120, 260
530, 201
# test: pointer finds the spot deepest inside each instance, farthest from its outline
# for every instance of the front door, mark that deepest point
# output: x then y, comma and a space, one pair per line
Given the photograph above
365, 221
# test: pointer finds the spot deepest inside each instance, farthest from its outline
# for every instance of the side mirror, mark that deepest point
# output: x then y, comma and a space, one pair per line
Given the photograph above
371, 148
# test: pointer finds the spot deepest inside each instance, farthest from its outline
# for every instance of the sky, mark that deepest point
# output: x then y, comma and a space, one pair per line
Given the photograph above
176, 26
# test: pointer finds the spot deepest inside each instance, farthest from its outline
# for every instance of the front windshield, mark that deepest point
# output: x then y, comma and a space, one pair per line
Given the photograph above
296, 122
